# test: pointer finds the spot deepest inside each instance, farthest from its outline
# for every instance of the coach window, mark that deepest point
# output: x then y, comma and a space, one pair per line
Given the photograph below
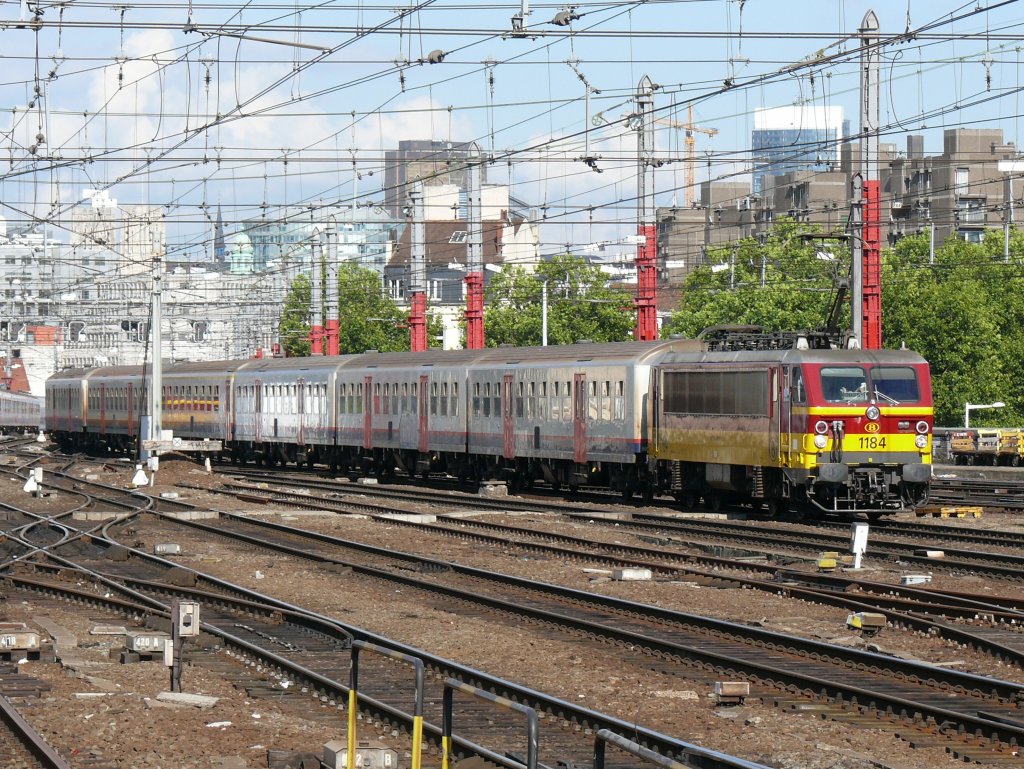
519, 400
394, 398
476, 399
619, 407
556, 402
592, 400
433, 398
531, 399
454, 410
606, 400
376, 398
444, 399
359, 398
496, 402
414, 399
387, 397
487, 399
405, 397
216, 398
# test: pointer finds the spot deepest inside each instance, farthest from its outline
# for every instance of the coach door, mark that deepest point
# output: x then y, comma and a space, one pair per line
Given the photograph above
424, 442
579, 417
775, 386
507, 418
301, 406
103, 409
258, 411
369, 401
227, 410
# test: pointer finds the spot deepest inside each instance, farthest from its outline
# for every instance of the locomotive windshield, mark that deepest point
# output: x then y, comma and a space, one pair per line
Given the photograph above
887, 384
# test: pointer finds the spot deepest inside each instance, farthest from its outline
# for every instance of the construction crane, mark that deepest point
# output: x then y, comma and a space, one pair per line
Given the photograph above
689, 190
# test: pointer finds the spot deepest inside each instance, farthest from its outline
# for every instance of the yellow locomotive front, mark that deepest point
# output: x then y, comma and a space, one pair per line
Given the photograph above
858, 432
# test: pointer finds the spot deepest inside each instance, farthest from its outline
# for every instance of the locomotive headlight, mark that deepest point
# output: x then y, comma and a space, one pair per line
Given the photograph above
820, 441
821, 427
872, 413
921, 427
921, 441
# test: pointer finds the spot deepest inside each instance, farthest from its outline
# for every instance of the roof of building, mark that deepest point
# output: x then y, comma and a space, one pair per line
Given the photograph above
446, 243
14, 380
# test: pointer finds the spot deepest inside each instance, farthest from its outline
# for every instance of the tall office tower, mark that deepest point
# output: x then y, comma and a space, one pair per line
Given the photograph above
795, 138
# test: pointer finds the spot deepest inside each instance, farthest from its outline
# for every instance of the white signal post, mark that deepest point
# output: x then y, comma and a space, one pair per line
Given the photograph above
969, 407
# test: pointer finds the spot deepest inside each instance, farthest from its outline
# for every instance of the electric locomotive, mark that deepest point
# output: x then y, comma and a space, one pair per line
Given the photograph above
838, 431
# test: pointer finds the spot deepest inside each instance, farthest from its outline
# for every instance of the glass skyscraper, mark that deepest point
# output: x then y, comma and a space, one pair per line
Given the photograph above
797, 138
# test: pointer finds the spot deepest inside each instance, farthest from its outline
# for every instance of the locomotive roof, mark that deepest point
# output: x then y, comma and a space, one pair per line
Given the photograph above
794, 356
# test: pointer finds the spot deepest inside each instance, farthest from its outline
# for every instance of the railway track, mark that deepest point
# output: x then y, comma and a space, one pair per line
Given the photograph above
756, 537
999, 709
884, 686
21, 746
1004, 494
275, 649
289, 645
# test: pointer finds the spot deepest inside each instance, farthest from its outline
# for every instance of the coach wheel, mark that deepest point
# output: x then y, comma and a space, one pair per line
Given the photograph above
714, 502
772, 507
690, 500
1015, 461
627, 493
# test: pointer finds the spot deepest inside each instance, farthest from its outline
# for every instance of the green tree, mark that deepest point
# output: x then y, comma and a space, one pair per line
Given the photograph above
961, 310
788, 283
580, 305
294, 327
368, 319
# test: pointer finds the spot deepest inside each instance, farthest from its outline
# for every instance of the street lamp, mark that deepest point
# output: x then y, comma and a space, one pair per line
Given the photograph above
969, 406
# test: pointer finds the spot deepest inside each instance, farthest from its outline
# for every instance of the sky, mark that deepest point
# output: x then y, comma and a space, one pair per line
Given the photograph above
253, 107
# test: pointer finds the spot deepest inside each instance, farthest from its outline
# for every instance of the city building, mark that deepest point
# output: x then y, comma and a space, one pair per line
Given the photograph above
365, 235
958, 192
435, 162
795, 138
505, 242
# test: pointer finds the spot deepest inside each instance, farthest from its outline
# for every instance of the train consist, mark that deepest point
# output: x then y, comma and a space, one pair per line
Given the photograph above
813, 429
987, 446
20, 412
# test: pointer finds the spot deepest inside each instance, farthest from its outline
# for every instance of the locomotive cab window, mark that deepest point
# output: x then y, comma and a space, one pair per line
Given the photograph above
844, 384
799, 393
895, 384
